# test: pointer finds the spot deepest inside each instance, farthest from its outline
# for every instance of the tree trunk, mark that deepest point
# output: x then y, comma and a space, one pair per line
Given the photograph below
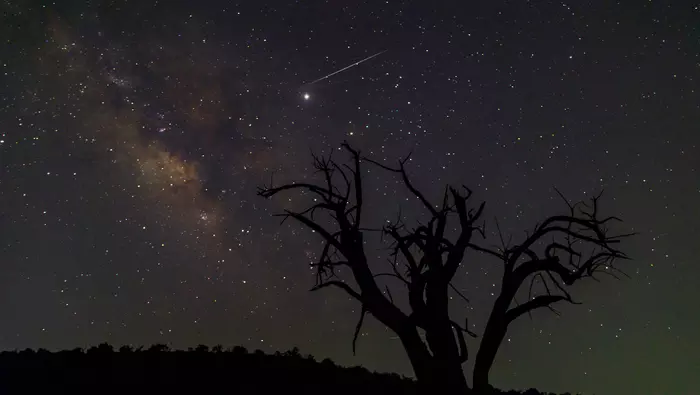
434, 376
491, 340
450, 378
485, 357
419, 357
443, 378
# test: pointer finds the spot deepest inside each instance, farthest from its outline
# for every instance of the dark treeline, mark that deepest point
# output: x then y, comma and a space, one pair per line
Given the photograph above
201, 370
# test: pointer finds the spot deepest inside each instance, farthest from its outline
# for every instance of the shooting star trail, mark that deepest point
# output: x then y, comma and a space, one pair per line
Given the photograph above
345, 68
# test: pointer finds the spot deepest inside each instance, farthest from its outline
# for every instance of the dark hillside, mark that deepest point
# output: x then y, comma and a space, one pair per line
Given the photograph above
158, 370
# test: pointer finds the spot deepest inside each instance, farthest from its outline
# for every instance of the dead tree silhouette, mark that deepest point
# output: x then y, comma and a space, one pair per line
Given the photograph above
425, 259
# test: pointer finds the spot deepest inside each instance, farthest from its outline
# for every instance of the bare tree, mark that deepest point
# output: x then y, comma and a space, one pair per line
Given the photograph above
559, 252
425, 260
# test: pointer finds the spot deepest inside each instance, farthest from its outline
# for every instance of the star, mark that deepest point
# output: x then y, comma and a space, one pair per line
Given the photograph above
158, 134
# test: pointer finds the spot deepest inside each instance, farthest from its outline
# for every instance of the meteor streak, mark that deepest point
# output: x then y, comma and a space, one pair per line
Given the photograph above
345, 68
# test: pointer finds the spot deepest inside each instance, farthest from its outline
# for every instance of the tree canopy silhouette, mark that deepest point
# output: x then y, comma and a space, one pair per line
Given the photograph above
560, 251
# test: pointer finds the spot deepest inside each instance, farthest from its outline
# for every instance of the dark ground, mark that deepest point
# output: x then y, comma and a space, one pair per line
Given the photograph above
101, 370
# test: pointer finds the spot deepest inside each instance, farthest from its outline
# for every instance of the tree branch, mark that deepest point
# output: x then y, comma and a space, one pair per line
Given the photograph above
339, 284
463, 351
459, 293
357, 177
268, 192
402, 170
535, 303
314, 226
358, 327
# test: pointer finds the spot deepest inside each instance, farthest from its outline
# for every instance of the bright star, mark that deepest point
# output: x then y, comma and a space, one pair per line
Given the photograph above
307, 96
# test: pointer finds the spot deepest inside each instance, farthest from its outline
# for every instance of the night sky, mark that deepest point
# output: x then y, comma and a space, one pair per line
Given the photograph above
133, 136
